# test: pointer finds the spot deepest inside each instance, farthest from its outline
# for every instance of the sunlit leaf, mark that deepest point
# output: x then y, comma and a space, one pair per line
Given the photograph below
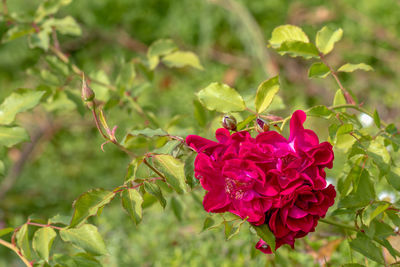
352, 67
173, 169
132, 202
10, 136
318, 70
326, 39
181, 59
42, 242
285, 33
265, 93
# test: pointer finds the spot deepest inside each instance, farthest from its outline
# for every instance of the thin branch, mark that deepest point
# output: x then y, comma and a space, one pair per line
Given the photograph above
16, 250
5, 8
44, 225
348, 97
154, 169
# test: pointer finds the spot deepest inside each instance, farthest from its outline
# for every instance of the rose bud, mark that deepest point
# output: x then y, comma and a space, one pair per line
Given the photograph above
87, 92
229, 122
262, 125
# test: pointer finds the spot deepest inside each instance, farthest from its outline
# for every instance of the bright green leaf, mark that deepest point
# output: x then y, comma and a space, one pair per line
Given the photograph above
23, 241
66, 25
19, 101
265, 93
298, 49
5, 231
17, 31
49, 7
393, 177
159, 48
326, 39
42, 242
318, 70
10, 136
377, 120
339, 98
285, 33
155, 191
362, 194
86, 237
89, 203
352, 67
132, 202
173, 169
377, 211
147, 133
177, 208
320, 111
221, 97
181, 59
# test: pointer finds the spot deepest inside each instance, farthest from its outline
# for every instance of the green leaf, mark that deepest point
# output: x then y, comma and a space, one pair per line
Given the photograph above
364, 245
318, 70
362, 194
5, 231
353, 265
23, 241
2, 167
377, 211
160, 48
393, 177
241, 125
189, 171
177, 208
60, 219
326, 39
285, 33
66, 25
377, 120
40, 40
181, 59
86, 237
173, 169
265, 93
221, 97
49, 7
10, 136
352, 67
155, 191
320, 111
339, 98
379, 155
19, 101
298, 49
265, 234
42, 242
89, 203
17, 31
132, 202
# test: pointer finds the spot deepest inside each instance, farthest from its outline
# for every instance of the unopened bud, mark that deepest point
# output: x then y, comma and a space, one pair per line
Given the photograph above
87, 92
229, 122
261, 125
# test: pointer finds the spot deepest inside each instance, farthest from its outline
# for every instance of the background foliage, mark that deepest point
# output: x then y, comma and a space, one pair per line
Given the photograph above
109, 41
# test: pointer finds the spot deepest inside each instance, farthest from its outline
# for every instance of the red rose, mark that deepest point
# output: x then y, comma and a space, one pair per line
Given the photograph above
267, 179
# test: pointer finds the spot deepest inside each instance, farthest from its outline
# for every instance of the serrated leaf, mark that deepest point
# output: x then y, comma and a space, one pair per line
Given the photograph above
42, 242
265, 234
326, 39
88, 205
177, 208
318, 70
147, 132
339, 98
285, 33
19, 101
320, 111
362, 194
265, 93
23, 241
132, 169
181, 59
173, 170
66, 25
132, 202
155, 191
10, 136
352, 67
189, 171
86, 237
222, 98
5, 231
298, 49
377, 120
364, 245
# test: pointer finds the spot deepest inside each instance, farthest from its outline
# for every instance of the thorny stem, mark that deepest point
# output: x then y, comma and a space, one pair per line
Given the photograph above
16, 250
348, 97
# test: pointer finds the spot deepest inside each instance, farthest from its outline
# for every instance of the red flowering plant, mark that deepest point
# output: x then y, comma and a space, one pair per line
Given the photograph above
268, 179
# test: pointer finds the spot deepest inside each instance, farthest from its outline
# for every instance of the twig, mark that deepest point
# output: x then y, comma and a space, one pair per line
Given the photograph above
16, 250
154, 169
44, 225
347, 96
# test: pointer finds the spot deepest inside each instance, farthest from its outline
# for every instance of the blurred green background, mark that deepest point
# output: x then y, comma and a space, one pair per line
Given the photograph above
230, 37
